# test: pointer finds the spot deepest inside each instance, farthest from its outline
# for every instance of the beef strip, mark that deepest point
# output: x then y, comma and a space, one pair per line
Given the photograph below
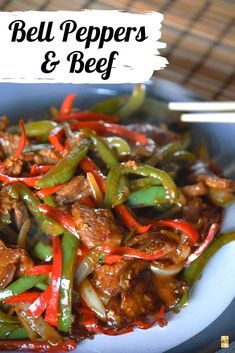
8, 142
169, 289
96, 226
134, 303
74, 190
49, 156
111, 279
196, 211
13, 262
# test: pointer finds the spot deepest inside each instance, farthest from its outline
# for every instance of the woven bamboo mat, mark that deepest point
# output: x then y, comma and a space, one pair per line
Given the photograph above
200, 37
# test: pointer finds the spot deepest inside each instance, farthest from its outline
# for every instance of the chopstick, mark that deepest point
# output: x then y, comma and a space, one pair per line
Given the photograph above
202, 106
208, 117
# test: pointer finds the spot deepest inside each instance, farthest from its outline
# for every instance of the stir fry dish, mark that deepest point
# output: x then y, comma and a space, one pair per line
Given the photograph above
105, 226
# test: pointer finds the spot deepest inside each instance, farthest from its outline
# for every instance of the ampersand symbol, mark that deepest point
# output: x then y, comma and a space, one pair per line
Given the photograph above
48, 65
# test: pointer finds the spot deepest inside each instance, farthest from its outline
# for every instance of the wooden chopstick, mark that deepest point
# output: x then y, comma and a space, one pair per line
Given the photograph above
208, 117
202, 106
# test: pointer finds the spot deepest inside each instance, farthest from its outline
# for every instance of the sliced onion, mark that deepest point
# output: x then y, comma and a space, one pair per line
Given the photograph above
32, 334
22, 237
40, 326
86, 266
170, 270
183, 252
95, 189
91, 299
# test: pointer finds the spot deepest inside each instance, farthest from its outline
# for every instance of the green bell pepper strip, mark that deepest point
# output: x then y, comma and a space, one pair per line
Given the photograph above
147, 197
66, 167
119, 145
142, 183
104, 152
69, 253
40, 128
47, 225
134, 102
163, 153
193, 272
112, 181
13, 332
43, 251
112, 186
49, 200
21, 285
183, 156
109, 106
6, 319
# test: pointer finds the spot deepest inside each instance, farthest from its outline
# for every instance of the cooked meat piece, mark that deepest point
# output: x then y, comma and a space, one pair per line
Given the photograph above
111, 279
25, 263
49, 156
169, 289
139, 300
6, 203
161, 135
153, 241
196, 211
20, 213
13, 262
96, 226
9, 259
8, 142
74, 190
14, 166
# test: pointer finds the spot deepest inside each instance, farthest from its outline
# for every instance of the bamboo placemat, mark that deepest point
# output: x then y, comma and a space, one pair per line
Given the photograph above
200, 37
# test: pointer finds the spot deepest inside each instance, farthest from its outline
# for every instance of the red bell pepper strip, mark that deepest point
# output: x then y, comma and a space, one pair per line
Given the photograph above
84, 116
39, 270
181, 225
112, 259
29, 181
130, 221
39, 306
206, 242
55, 137
130, 252
20, 147
67, 104
62, 217
111, 129
22, 142
144, 325
160, 319
38, 346
25, 297
40, 169
48, 191
51, 315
